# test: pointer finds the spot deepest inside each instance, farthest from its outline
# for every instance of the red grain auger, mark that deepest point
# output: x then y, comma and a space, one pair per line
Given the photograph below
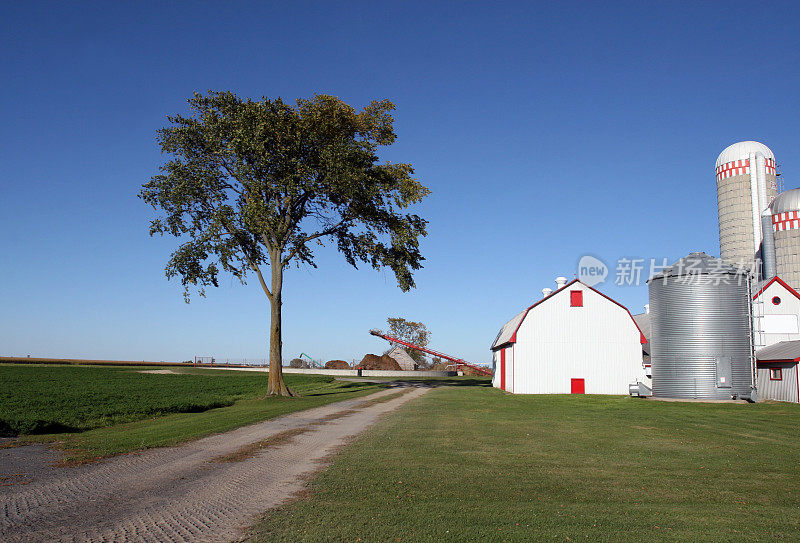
456, 361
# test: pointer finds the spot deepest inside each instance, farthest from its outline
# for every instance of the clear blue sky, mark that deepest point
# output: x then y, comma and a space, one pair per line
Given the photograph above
544, 132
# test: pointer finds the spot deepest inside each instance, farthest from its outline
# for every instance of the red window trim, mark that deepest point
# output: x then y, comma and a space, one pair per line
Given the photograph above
780, 374
576, 298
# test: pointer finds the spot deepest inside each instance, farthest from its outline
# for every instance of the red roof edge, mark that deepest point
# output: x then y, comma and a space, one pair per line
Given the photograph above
780, 282
642, 337
779, 361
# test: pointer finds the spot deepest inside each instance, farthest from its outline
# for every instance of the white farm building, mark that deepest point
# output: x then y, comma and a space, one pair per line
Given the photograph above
574, 340
402, 357
776, 338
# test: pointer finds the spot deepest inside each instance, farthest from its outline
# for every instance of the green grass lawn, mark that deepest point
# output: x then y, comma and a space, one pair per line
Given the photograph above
474, 464
98, 411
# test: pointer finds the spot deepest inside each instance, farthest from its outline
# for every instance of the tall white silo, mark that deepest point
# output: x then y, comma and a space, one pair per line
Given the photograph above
786, 224
746, 185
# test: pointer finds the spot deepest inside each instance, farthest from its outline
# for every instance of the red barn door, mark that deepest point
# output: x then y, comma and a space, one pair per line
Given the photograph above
578, 386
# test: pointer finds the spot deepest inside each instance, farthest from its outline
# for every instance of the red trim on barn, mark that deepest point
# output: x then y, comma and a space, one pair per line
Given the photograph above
780, 282
642, 337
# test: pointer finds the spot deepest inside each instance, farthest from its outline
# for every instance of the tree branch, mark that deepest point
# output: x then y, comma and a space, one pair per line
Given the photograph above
306, 239
250, 262
260, 278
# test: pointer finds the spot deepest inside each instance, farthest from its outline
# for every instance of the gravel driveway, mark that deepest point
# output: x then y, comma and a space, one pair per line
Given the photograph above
211, 489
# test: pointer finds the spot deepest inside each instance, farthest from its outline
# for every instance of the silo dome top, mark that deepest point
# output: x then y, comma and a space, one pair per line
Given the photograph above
742, 150
698, 264
788, 200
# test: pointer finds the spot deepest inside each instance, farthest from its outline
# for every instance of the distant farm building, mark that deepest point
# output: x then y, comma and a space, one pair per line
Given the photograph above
574, 340
402, 357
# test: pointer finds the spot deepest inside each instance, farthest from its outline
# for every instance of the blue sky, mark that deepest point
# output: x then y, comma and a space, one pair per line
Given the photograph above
546, 131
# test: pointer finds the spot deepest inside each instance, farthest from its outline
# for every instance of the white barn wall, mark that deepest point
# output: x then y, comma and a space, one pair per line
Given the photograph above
598, 342
785, 390
510, 374
496, 369
767, 332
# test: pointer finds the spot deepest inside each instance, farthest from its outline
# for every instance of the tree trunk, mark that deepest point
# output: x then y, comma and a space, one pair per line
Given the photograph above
276, 386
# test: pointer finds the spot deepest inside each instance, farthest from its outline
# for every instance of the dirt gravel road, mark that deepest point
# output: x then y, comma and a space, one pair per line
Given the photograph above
207, 490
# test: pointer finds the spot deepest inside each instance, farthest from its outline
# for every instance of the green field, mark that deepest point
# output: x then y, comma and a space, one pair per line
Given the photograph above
475, 464
97, 411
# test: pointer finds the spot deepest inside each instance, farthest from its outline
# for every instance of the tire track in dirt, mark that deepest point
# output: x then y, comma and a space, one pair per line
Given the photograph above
181, 493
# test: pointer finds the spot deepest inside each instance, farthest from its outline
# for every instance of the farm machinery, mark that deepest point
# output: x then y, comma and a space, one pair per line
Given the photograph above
456, 363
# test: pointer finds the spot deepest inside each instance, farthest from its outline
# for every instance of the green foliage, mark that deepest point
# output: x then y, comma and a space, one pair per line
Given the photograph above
411, 332
474, 464
256, 183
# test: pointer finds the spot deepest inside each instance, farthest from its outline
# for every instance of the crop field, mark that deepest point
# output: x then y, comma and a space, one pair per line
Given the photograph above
475, 464
97, 410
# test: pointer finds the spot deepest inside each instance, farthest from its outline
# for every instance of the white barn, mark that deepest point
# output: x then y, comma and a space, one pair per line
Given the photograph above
776, 337
575, 340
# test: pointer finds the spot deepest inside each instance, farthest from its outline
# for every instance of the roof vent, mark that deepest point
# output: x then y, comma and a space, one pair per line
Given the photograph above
546, 292
560, 282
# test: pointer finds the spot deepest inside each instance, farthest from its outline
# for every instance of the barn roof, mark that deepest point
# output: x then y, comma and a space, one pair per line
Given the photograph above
785, 351
509, 329
781, 282
642, 320
508, 333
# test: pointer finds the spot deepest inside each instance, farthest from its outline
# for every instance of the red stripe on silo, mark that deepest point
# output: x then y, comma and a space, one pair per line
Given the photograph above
742, 167
786, 221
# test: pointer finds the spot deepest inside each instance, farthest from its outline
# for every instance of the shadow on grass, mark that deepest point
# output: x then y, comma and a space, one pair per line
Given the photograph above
32, 427
430, 382
341, 389
463, 382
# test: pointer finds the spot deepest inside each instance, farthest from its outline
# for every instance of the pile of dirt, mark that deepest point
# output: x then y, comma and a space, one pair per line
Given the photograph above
337, 365
375, 362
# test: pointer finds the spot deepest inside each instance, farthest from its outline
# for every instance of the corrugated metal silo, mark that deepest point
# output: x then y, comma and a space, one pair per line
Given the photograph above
786, 224
700, 345
746, 185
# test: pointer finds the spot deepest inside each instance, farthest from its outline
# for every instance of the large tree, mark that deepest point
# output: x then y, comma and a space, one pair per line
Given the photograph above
251, 185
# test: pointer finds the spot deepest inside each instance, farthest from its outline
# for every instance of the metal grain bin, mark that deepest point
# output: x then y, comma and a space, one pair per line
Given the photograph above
700, 330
